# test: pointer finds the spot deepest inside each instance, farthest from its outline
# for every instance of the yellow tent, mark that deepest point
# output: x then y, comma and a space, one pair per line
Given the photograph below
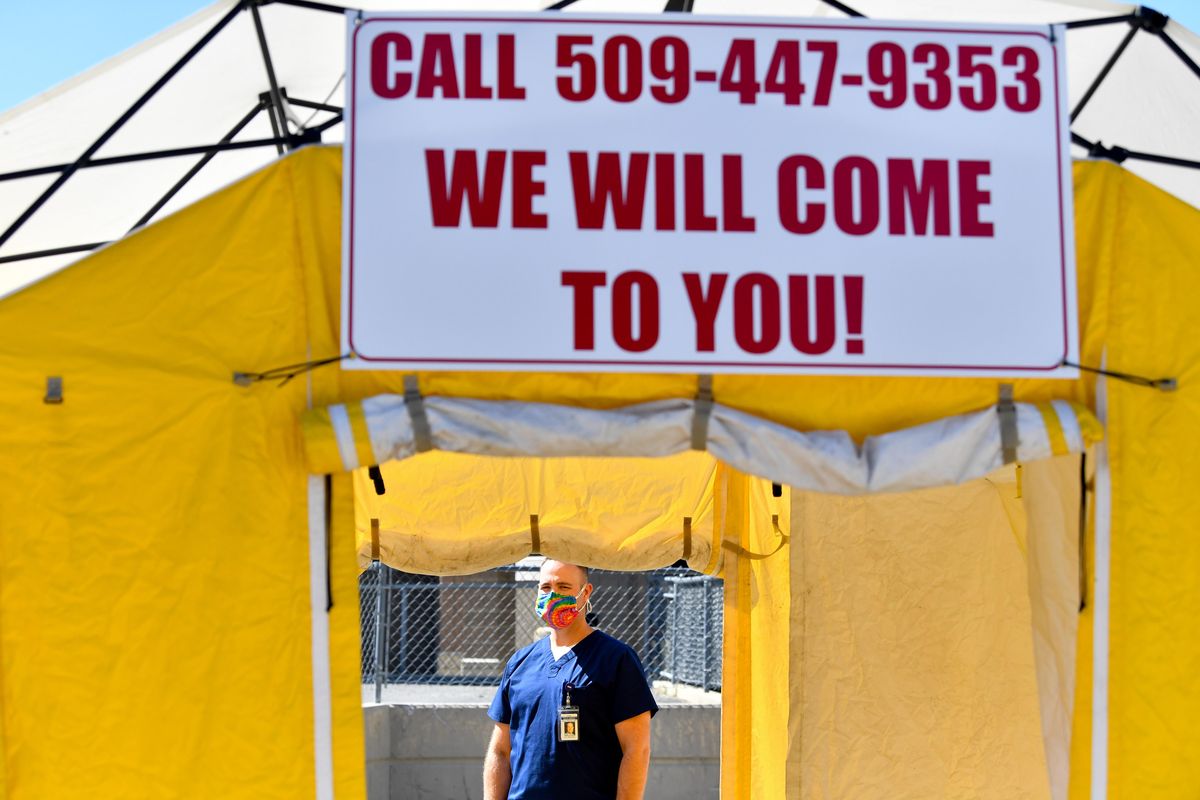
170, 626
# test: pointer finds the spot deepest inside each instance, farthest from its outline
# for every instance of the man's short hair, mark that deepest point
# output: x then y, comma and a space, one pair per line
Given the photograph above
587, 576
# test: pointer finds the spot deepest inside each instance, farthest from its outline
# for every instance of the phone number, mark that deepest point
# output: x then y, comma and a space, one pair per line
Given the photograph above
930, 75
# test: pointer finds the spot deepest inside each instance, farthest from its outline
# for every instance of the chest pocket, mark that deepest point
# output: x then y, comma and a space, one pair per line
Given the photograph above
589, 697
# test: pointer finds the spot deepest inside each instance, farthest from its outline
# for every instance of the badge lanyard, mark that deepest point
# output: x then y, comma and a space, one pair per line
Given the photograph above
568, 718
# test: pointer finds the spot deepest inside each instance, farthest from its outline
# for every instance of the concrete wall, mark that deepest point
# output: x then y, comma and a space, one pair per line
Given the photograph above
436, 752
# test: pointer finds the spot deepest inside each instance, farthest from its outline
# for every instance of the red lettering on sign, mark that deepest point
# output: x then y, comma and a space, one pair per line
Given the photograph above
916, 190
386, 51
664, 191
733, 218
812, 316
623, 188
525, 188
646, 335
853, 285
437, 67
446, 198
584, 286
856, 211
694, 218
475, 89
704, 307
763, 336
506, 68
789, 194
626, 197
931, 193
971, 197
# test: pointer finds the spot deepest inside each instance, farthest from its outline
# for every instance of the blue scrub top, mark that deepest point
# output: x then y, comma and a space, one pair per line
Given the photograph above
608, 685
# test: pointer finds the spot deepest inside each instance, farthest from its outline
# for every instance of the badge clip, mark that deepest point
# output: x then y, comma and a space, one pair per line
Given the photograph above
568, 719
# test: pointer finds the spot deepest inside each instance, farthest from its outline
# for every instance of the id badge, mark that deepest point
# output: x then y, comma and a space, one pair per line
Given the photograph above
568, 718
568, 724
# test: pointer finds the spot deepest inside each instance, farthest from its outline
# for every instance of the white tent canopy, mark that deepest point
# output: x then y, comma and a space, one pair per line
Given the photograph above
1148, 103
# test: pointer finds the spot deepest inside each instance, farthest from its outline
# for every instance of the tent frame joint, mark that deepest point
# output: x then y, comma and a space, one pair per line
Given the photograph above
1149, 20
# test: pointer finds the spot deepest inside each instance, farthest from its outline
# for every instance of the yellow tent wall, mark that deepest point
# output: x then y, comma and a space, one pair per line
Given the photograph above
154, 534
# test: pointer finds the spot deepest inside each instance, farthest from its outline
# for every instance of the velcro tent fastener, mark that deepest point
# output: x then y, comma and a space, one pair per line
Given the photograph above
1007, 411
376, 476
742, 552
54, 390
422, 434
535, 536
687, 538
374, 540
702, 412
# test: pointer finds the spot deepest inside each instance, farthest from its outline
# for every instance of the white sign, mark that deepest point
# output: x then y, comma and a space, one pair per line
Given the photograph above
707, 194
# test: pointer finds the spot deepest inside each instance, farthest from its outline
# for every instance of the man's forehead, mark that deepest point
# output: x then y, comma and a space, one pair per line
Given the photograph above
558, 571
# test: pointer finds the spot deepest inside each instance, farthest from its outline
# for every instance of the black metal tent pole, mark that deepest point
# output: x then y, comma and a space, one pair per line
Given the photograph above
845, 9
1103, 73
199, 165
315, 106
278, 116
1153, 22
1177, 50
116, 126
336, 119
314, 6
312, 134
1090, 23
54, 251
275, 132
149, 155
1118, 154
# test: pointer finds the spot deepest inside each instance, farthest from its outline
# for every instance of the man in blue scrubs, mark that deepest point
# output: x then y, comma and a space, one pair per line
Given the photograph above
573, 709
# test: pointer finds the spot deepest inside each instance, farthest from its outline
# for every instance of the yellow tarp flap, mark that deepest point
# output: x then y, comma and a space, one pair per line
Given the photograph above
898, 646
453, 514
754, 525
1153, 247
154, 593
916, 676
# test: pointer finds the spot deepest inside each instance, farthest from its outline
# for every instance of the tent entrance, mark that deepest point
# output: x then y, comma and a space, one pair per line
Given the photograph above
916, 643
435, 643
444, 641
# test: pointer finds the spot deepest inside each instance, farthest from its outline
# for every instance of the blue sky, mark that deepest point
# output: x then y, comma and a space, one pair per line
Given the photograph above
45, 42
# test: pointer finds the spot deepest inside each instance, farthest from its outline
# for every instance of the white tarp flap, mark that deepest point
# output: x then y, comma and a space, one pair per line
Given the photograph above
1050, 490
941, 453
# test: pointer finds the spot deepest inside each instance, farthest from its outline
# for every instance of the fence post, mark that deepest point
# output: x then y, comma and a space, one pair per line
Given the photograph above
405, 599
707, 633
675, 633
377, 568
647, 593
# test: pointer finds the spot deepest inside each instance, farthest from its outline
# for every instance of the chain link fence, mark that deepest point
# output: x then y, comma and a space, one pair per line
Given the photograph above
460, 631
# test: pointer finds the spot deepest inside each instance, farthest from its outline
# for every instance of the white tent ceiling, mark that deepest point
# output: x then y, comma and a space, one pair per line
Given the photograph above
1149, 103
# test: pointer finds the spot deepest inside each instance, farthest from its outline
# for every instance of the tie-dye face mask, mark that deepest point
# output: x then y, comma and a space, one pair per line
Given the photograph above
556, 610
